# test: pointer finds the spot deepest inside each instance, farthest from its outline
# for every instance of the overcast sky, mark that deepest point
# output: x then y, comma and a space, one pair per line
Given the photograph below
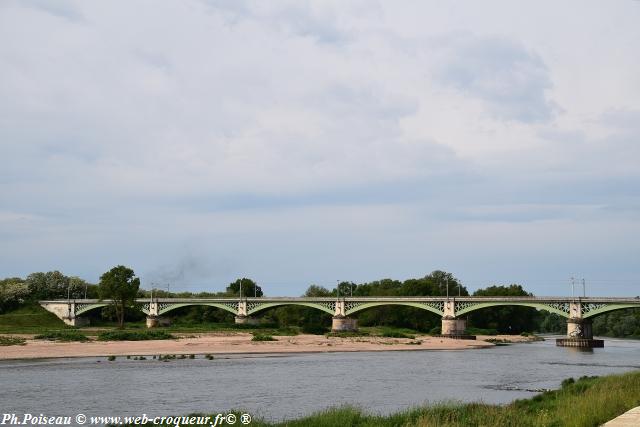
299, 143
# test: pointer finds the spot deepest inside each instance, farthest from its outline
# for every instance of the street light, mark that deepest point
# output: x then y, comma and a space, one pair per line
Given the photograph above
240, 288
584, 289
573, 287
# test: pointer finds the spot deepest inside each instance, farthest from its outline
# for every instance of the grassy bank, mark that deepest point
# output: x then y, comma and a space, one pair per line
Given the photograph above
29, 319
583, 403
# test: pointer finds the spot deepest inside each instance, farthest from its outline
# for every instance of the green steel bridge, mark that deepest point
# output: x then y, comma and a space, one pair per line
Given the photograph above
577, 311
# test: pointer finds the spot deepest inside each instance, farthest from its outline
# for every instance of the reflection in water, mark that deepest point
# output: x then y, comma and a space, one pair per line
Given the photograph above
291, 386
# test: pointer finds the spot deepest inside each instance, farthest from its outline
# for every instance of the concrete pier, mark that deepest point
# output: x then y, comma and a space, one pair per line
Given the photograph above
453, 326
579, 334
344, 324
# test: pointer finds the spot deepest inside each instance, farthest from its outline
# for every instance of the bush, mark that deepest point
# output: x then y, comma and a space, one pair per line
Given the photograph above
262, 337
64, 335
285, 331
314, 329
118, 335
6, 341
435, 331
397, 334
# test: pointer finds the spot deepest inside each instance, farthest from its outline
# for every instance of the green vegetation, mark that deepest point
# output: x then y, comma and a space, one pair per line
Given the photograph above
262, 337
126, 335
395, 334
623, 323
64, 335
121, 286
7, 341
586, 402
29, 319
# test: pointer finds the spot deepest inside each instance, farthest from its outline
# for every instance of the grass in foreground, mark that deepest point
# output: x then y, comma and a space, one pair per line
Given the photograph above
583, 403
124, 335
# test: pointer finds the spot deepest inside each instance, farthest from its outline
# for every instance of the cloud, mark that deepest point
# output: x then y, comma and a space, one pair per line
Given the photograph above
510, 79
296, 142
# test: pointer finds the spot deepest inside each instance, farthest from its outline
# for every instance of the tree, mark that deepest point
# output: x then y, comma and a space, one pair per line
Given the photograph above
55, 285
13, 292
121, 286
249, 288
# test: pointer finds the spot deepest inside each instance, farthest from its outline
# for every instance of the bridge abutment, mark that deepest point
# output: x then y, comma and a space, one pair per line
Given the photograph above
343, 324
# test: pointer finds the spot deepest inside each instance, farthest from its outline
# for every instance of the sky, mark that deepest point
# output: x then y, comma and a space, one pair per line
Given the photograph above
302, 143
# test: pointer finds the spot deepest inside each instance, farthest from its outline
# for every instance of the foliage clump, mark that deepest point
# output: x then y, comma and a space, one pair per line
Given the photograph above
124, 335
66, 335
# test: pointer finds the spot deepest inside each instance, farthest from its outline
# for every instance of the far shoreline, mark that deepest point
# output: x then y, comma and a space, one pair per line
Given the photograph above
224, 345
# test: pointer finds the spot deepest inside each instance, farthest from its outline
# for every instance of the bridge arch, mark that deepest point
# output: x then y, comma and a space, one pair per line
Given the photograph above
482, 305
267, 305
607, 309
90, 307
170, 307
368, 305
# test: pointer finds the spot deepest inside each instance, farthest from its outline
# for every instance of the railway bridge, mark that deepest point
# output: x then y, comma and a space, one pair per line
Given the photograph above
452, 310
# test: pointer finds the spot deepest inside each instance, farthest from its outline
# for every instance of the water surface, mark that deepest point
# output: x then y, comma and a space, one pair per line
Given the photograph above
296, 385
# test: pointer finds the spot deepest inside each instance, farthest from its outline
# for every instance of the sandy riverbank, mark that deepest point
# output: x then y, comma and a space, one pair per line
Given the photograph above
239, 343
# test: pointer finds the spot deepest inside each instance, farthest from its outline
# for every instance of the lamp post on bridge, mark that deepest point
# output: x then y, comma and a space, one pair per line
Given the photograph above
573, 288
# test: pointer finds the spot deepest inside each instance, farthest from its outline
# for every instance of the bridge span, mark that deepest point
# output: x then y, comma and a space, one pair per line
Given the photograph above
577, 311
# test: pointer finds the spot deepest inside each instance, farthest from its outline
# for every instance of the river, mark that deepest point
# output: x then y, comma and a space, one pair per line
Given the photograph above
294, 385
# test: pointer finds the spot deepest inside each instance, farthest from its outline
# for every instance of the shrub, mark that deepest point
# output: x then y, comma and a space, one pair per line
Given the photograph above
313, 329
6, 341
64, 335
118, 335
262, 337
397, 334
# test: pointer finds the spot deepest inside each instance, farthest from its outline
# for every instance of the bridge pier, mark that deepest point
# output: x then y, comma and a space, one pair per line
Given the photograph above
154, 321
343, 324
453, 326
246, 320
579, 334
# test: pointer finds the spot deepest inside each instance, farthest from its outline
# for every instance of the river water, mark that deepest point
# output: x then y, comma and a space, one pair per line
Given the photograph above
290, 386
